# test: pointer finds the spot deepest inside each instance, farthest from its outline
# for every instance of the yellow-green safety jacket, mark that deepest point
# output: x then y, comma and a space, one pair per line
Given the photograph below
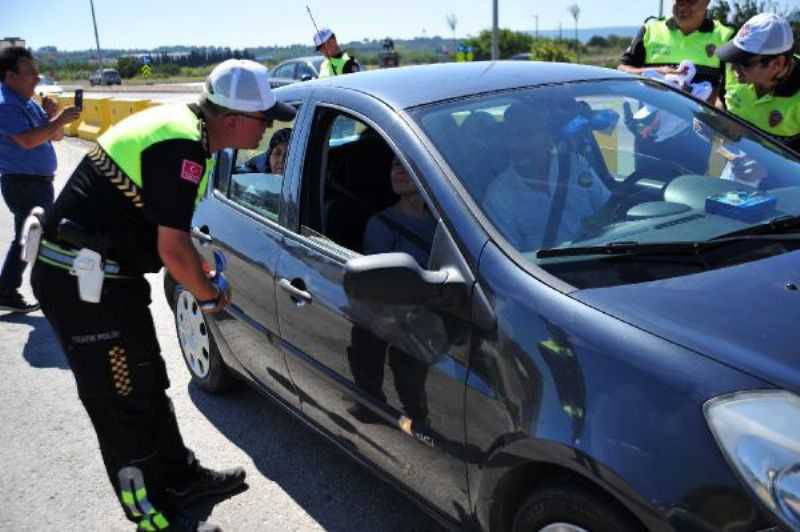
666, 44
776, 113
125, 142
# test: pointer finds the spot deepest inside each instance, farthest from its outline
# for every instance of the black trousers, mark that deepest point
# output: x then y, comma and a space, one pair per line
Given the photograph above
121, 379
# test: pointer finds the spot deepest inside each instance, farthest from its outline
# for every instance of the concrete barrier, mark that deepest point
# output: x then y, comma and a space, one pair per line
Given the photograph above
95, 118
120, 108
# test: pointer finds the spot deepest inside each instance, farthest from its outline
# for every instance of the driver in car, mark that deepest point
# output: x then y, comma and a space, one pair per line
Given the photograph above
520, 200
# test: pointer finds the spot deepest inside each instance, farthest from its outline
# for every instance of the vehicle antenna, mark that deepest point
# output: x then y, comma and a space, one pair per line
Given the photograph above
314, 22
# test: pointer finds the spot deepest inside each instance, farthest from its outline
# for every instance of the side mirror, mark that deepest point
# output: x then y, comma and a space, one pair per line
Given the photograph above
397, 279
305, 77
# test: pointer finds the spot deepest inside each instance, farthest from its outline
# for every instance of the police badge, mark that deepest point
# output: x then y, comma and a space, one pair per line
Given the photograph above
775, 118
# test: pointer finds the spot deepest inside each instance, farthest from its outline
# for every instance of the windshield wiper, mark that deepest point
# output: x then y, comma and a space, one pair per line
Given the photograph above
677, 248
777, 226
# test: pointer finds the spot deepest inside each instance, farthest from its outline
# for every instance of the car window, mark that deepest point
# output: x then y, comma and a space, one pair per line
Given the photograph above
304, 70
257, 176
590, 163
285, 71
358, 194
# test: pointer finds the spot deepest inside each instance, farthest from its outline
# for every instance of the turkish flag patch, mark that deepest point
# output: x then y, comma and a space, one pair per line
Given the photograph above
191, 171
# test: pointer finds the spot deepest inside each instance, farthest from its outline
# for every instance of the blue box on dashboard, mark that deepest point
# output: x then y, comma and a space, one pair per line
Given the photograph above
741, 205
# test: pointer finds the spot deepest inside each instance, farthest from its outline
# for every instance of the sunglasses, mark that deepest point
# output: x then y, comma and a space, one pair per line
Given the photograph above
254, 117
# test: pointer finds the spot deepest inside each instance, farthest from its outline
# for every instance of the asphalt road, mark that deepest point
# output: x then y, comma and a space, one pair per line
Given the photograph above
53, 479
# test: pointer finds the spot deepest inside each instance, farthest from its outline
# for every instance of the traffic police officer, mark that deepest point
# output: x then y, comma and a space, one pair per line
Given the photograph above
131, 201
336, 61
762, 83
662, 43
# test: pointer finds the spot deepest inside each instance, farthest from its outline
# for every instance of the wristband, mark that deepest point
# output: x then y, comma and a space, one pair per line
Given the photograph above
211, 304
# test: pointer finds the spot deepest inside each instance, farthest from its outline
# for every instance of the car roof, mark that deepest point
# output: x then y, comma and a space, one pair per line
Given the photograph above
405, 87
305, 59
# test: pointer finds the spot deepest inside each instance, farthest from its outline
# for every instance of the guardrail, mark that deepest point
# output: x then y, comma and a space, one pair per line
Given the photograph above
100, 113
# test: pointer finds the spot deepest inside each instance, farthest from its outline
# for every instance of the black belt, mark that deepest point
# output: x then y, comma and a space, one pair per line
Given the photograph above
45, 178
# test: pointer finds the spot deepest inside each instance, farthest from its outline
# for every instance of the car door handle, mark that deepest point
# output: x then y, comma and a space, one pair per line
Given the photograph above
298, 295
202, 234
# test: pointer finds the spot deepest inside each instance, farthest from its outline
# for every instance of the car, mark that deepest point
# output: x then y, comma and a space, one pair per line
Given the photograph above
600, 334
105, 76
523, 56
47, 85
297, 69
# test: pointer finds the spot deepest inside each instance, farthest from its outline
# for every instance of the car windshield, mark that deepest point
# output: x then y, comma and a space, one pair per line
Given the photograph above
592, 164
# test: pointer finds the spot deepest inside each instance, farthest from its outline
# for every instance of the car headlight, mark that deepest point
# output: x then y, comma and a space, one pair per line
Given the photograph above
759, 432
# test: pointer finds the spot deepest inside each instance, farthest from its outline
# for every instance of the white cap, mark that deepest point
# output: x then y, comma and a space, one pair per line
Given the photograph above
322, 36
764, 34
243, 85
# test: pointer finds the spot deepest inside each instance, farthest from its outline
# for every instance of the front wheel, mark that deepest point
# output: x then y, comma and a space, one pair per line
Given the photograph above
200, 351
571, 508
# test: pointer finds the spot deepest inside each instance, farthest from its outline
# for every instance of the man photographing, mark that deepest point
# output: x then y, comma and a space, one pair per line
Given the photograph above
130, 202
27, 158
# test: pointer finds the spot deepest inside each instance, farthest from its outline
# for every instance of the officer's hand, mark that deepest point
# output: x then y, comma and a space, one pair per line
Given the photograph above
67, 115
50, 106
667, 70
224, 300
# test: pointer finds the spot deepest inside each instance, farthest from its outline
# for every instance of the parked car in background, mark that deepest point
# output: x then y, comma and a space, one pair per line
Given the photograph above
47, 85
297, 69
590, 325
105, 76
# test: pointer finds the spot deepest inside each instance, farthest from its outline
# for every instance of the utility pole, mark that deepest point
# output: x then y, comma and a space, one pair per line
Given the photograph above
660, 8
96, 38
536, 27
495, 36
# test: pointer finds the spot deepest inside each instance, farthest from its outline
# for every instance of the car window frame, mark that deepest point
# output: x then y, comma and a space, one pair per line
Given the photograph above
312, 237
287, 64
296, 143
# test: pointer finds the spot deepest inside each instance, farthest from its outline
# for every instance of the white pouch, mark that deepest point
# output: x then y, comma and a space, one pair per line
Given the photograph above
88, 266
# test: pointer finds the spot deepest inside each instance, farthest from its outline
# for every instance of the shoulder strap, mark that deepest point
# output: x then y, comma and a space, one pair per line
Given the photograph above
406, 233
559, 199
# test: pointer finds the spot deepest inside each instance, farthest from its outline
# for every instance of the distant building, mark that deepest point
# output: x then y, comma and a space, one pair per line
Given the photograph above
8, 42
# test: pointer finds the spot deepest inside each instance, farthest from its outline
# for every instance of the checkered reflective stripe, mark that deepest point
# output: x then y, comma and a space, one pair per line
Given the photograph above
119, 371
107, 167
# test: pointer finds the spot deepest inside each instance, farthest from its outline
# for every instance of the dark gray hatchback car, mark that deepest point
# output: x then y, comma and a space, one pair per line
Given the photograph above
535, 297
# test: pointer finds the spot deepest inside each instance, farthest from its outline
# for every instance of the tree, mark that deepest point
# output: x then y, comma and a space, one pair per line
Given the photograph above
575, 11
736, 12
551, 51
510, 43
128, 67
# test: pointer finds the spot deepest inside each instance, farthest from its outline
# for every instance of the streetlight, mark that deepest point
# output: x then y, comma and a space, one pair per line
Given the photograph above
536, 28
575, 11
495, 37
96, 38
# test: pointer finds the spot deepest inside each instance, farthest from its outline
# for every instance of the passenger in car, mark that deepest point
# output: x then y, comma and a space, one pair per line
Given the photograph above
273, 160
409, 227
519, 200
405, 226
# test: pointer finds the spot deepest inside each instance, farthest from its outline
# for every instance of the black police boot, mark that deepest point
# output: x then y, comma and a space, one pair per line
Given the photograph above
204, 482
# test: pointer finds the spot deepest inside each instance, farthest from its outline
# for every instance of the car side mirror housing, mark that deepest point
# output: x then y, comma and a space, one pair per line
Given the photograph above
305, 77
397, 279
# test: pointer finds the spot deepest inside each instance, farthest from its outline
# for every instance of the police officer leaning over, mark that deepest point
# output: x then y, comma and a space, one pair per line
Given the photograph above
762, 83
662, 43
131, 200
336, 61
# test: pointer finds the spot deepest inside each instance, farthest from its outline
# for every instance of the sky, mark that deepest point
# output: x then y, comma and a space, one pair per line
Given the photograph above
146, 24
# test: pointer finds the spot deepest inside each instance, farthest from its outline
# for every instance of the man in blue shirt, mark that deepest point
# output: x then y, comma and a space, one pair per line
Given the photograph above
27, 158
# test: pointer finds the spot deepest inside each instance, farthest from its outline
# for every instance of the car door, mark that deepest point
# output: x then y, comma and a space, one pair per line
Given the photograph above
388, 382
242, 221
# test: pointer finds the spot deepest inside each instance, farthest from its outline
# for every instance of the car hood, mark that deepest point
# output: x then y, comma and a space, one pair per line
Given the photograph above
745, 316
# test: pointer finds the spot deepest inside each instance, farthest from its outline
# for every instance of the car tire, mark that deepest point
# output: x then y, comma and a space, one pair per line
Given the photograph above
571, 508
199, 349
